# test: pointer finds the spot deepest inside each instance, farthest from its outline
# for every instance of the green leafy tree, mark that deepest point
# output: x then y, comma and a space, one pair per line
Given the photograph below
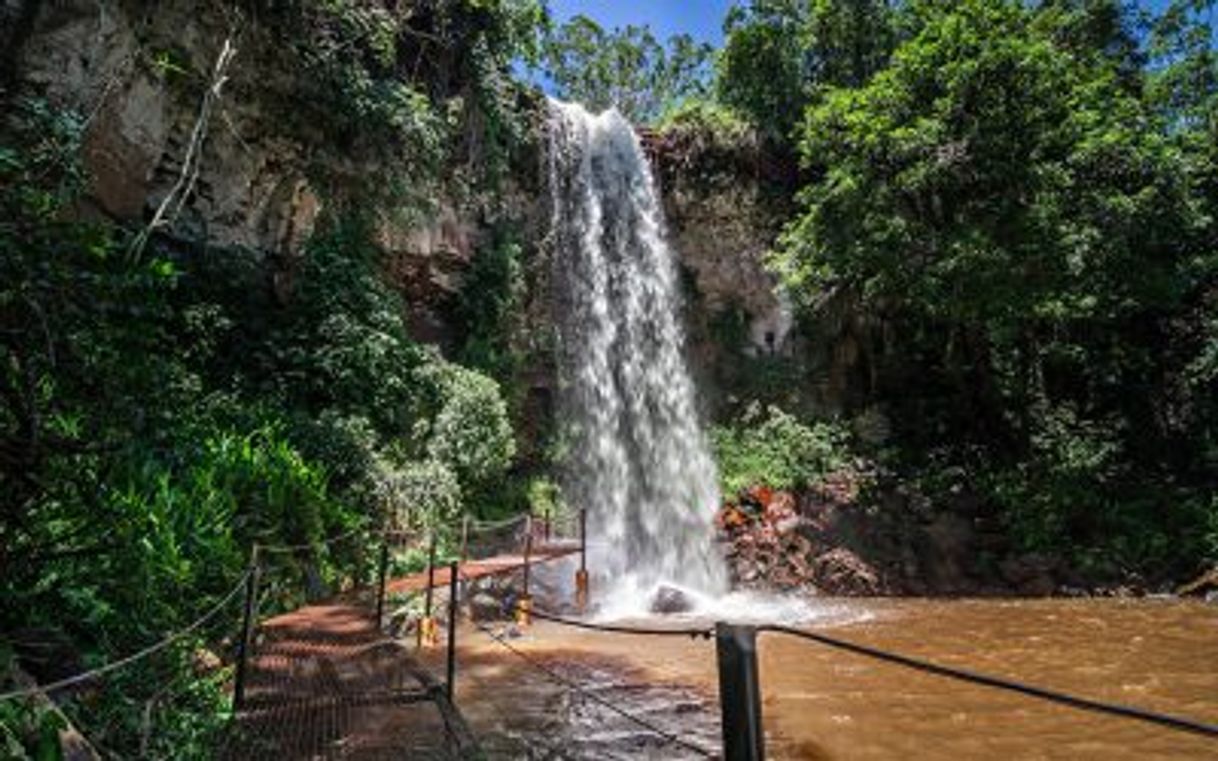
626, 69
990, 192
778, 54
471, 432
1184, 83
775, 449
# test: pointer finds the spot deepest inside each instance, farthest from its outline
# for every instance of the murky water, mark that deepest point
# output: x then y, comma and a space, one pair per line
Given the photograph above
822, 704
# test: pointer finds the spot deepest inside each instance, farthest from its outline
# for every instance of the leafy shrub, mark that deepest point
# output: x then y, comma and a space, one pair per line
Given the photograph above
777, 450
710, 118
422, 494
1210, 537
545, 499
471, 433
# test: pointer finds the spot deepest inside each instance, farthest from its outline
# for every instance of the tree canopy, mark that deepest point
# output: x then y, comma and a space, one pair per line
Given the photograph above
625, 68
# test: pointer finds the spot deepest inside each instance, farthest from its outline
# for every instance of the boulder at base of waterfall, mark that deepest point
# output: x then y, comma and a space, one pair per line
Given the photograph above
841, 572
485, 607
670, 600
402, 622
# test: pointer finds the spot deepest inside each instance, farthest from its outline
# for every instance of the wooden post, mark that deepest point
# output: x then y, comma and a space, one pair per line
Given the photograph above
449, 685
427, 626
247, 630
739, 692
382, 570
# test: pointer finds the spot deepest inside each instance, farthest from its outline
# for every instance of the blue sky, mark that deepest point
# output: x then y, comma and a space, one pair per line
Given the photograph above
701, 18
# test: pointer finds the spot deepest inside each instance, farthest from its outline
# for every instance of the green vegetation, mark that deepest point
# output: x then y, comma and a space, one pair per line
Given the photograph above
1025, 198
780, 54
1020, 197
160, 414
627, 69
776, 449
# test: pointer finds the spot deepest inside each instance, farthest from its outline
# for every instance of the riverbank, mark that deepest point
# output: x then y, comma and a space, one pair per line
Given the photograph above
833, 539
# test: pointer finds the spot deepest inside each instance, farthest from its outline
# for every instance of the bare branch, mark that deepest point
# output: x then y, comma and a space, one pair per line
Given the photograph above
192, 163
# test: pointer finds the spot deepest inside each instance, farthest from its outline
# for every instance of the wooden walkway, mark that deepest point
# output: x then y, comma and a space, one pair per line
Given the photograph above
326, 683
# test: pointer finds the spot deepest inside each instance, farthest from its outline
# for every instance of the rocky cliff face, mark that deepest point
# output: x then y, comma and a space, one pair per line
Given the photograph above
139, 80
249, 176
726, 203
246, 176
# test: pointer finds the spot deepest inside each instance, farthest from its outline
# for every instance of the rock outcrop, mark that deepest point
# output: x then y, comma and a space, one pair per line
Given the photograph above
138, 74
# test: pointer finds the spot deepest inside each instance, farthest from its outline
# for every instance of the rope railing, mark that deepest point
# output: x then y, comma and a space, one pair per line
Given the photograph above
1010, 685
736, 644
134, 657
702, 632
667, 736
288, 548
480, 526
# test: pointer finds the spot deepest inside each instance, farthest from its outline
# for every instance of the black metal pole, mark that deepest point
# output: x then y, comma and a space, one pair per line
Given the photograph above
581, 576
464, 539
449, 685
431, 574
528, 551
739, 692
247, 629
583, 539
382, 570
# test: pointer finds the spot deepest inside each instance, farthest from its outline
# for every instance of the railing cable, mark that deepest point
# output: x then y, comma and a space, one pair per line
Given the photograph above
486, 527
667, 736
282, 548
1112, 709
705, 632
134, 657
558, 678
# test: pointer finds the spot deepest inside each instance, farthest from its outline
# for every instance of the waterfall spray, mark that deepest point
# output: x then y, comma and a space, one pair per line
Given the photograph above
638, 460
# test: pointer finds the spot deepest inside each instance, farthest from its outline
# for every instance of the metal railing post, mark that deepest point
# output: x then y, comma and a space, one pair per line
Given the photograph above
382, 570
247, 629
528, 551
739, 692
427, 626
524, 607
583, 539
449, 684
581, 576
464, 538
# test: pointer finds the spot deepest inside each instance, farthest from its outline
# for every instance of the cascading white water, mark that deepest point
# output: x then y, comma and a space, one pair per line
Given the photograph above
638, 459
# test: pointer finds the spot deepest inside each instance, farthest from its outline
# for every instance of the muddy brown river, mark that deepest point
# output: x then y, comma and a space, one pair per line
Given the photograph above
825, 704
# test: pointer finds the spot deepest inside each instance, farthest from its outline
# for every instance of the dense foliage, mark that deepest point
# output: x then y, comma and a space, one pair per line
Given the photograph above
779, 54
627, 69
162, 410
1026, 199
1021, 198
776, 449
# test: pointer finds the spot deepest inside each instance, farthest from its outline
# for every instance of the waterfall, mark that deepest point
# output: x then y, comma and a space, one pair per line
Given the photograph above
638, 458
